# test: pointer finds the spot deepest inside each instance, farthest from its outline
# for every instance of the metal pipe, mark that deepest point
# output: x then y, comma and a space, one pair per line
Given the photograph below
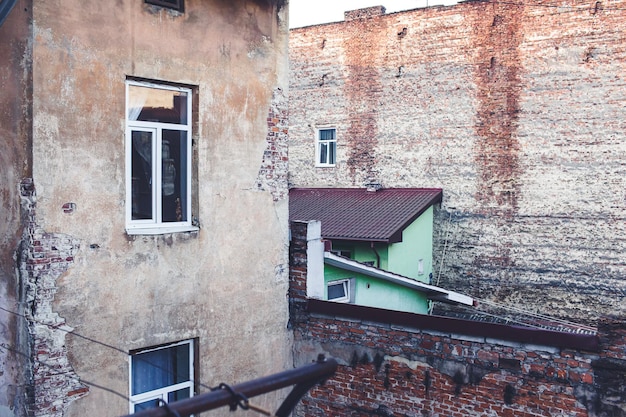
375, 253
303, 376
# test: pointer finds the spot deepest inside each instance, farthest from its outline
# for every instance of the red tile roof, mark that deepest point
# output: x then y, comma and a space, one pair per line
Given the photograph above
358, 214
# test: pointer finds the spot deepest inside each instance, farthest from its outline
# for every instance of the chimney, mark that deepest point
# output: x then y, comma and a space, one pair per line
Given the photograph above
364, 13
372, 186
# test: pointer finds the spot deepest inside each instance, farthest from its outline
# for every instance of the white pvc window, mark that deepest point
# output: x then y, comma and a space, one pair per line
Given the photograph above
326, 147
162, 374
158, 158
339, 291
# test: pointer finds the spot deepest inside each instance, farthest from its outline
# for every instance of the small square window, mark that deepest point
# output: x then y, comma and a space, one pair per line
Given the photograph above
177, 5
341, 291
326, 147
161, 374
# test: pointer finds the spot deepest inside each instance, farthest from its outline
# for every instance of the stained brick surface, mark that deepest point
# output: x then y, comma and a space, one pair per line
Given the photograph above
517, 111
274, 167
398, 370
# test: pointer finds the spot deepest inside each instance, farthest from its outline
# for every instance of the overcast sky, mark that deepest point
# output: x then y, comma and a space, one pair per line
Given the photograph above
309, 12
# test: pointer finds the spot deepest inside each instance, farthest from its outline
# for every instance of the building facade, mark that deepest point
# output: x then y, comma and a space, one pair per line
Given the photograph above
515, 110
394, 363
368, 231
144, 156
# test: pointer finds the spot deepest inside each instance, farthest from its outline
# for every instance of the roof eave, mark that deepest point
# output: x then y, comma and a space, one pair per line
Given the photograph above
397, 235
358, 239
432, 291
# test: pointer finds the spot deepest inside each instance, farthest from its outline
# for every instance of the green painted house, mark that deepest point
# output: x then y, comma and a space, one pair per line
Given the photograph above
376, 246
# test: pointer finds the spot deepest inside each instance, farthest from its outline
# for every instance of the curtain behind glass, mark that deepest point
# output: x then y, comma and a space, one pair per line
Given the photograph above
160, 368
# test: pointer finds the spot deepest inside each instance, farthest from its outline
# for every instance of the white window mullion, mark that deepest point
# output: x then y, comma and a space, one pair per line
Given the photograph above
189, 172
129, 176
157, 190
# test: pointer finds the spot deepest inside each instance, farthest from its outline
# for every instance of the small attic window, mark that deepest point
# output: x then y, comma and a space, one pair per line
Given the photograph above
341, 291
177, 5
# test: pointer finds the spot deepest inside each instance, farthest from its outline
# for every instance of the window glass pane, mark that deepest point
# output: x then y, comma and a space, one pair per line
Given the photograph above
172, 4
327, 134
331, 152
141, 166
336, 291
174, 175
181, 394
146, 404
160, 368
323, 152
157, 105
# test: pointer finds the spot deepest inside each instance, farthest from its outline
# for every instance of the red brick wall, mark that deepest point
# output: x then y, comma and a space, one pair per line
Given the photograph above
415, 372
515, 109
396, 369
274, 167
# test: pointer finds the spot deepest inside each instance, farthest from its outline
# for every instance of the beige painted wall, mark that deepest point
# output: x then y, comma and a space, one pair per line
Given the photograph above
226, 284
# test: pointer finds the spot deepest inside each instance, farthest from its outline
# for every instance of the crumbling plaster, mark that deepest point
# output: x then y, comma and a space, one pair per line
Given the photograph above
15, 163
127, 292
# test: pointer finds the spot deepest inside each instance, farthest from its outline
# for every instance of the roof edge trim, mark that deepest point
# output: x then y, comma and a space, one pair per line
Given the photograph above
432, 291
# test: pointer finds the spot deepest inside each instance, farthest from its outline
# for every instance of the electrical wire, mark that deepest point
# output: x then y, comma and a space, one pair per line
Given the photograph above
71, 375
90, 340
554, 322
537, 315
445, 248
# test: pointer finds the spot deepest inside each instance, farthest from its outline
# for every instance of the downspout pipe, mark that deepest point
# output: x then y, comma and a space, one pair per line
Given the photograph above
377, 255
5, 8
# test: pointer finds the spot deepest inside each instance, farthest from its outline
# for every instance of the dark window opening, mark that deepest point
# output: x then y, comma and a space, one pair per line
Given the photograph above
177, 5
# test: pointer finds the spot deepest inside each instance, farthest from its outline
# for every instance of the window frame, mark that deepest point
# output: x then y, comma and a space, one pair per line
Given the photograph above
178, 5
342, 252
161, 393
156, 225
349, 287
318, 147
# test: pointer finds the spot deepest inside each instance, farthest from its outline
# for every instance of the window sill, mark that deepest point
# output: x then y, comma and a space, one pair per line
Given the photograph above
160, 230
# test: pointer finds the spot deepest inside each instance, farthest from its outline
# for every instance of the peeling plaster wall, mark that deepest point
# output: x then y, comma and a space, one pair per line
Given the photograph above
225, 284
517, 112
15, 164
44, 258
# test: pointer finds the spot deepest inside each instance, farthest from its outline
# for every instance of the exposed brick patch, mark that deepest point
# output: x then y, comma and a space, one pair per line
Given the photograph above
363, 90
45, 256
498, 64
274, 167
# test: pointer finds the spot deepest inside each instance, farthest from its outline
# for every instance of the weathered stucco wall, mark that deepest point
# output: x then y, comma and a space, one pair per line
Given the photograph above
224, 284
15, 163
517, 112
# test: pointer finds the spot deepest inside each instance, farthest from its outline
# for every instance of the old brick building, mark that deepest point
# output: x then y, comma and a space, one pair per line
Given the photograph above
517, 110
394, 363
143, 153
